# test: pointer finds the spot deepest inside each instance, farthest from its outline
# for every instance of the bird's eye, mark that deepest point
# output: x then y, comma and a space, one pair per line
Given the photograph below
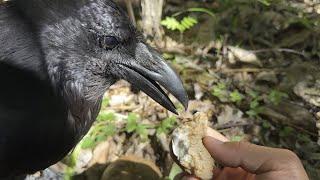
108, 42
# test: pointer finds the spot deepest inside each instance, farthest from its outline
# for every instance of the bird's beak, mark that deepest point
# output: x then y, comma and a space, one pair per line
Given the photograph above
148, 71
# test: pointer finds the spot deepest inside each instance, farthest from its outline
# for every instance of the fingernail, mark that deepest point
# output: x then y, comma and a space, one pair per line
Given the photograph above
211, 140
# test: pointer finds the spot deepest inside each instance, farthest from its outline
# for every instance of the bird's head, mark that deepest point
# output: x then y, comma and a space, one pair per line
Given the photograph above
90, 44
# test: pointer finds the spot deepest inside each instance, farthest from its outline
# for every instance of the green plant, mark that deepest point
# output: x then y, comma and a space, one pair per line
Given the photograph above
174, 171
265, 2
106, 116
173, 24
253, 94
276, 96
255, 106
134, 126
236, 97
101, 130
68, 173
132, 122
254, 110
71, 162
187, 22
266, 124
142, 131
220, 91
166, 125
105, 102
236, 138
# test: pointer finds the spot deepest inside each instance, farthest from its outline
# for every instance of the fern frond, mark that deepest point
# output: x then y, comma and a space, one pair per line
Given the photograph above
170, 23
173, 24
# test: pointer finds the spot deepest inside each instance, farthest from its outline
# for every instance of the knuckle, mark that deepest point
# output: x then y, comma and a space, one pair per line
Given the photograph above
291, 156
242, 146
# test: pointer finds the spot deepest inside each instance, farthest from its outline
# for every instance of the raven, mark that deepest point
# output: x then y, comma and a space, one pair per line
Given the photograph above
57, 58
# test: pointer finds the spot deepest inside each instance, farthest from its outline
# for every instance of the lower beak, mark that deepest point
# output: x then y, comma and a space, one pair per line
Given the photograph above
149, 82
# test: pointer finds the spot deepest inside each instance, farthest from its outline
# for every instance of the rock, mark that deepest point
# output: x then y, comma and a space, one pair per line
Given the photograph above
270, 77
309, 91
83, 159
46, 174
237, 54
188, 148
318, 115
120, 99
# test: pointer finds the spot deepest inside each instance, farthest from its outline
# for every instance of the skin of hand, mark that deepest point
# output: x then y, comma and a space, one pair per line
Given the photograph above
246, 161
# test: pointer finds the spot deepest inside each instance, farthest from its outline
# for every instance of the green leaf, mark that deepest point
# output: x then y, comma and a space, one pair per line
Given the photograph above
100, 138
254, 104
133, 117
166, 125
236, 97
252, 113
105, 102
304, 138
68, 173
276, 96
265, 2
168, 56
254, 94
188, 22
266, 124
170, 23
142, 131
222, 86
131, 123
173, 24
236, 138
87, 142
106, 116
174, 171
110, 130
220, 91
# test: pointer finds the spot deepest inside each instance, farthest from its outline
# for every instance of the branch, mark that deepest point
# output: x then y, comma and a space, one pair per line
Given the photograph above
130, 12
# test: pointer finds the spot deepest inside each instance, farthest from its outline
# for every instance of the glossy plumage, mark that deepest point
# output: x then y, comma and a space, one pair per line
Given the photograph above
57, 58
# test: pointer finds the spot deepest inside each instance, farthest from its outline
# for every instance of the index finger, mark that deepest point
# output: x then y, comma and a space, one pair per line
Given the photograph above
253, 158
215, 134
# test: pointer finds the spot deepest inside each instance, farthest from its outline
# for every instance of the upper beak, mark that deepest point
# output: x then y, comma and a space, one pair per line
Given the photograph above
148, 71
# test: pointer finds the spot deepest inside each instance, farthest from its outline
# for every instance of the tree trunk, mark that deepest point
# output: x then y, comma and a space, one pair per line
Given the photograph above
151, 18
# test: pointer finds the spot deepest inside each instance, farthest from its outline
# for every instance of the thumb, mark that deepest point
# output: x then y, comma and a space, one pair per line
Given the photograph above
252, 158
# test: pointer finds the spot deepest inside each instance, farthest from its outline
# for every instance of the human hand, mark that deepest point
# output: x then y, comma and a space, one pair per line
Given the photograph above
246, 161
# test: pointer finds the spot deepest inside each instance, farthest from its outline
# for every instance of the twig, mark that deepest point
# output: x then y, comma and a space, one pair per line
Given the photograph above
281, 50
231, 125
130, 12
248, 70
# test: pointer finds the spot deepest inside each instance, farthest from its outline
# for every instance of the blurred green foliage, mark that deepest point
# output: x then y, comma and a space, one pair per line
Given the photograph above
173, 24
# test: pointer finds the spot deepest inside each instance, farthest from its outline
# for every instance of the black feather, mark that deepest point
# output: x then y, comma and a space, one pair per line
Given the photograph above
57, 58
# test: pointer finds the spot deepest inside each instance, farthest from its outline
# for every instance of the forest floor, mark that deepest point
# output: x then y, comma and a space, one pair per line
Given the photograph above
252, 67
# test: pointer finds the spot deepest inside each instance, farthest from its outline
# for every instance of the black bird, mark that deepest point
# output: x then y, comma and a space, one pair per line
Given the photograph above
57, 58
